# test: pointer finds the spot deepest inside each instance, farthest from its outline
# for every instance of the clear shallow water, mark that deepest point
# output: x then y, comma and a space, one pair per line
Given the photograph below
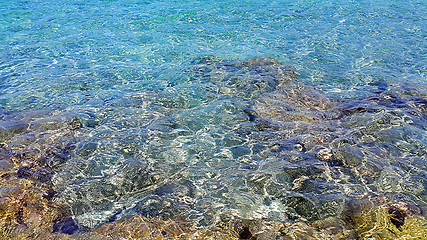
178, 121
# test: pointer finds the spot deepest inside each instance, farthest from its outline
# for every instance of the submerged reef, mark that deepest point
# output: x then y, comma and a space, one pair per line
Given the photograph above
242, 150
36, 143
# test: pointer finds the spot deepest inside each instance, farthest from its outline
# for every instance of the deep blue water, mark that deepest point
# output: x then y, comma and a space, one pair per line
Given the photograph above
168, 132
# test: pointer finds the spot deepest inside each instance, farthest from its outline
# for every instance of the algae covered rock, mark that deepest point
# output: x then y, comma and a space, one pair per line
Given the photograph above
382, 218
28, 209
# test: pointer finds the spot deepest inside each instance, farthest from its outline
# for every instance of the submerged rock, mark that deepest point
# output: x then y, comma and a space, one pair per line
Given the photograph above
287, 160
25, 211
246, 79
345, 144
28, 208
382, 218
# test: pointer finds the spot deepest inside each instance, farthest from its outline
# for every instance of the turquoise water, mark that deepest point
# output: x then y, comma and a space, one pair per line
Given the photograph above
179, 121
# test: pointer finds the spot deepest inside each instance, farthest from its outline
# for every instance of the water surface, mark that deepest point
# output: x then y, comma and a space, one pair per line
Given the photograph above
277, 110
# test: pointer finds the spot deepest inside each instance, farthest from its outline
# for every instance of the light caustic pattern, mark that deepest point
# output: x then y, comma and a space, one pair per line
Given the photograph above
170, 109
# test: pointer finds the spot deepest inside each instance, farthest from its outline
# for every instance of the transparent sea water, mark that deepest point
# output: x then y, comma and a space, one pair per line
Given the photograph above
179, 120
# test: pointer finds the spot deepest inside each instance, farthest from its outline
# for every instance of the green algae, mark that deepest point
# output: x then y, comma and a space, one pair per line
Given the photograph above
377, 224
382, 218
